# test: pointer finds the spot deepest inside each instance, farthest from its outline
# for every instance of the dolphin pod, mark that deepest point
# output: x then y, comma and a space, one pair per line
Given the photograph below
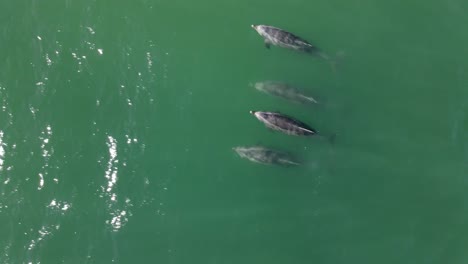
275, 120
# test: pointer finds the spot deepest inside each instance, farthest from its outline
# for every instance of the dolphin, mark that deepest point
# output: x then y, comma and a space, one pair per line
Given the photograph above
285, 91
265, 155
284, 123
282, 38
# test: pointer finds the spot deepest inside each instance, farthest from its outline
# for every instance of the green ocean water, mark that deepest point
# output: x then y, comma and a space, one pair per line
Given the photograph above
118, 119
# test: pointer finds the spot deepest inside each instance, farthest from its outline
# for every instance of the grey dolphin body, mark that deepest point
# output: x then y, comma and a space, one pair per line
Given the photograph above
266, 156
285, 91
283, 38
284, 123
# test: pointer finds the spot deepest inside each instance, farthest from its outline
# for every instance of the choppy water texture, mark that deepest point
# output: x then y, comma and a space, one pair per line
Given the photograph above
117, 122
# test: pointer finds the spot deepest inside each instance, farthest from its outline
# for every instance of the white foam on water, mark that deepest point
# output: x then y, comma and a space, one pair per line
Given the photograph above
118, 220
118, 207
112, 171
46, 154
33, 111
59, 206
149, 61
54, 208
44, 232
131, 140
2, 151
48, 60
91, 30
41, 181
